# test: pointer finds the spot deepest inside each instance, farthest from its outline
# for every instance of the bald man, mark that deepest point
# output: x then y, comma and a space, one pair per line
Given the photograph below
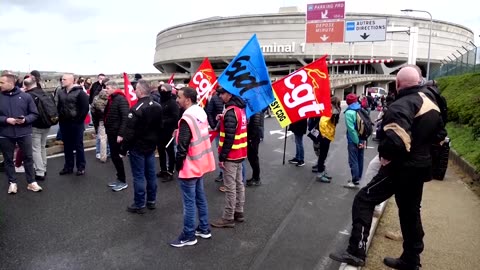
410, 126
72, 109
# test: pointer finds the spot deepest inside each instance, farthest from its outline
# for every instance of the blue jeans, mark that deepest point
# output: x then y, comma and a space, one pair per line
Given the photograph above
194, 199
355, 160
97, 147
143, 167
300, 154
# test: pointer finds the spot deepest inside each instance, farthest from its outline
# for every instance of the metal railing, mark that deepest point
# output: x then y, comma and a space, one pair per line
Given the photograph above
458, 63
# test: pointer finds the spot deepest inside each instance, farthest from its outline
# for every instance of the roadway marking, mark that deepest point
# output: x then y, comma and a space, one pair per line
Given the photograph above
281, 132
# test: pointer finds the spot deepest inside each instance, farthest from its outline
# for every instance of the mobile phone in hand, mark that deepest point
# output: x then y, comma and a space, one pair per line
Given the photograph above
20, 117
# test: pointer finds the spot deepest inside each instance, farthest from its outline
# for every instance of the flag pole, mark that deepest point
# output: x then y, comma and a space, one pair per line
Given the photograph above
285, 145
207, 94
169, 142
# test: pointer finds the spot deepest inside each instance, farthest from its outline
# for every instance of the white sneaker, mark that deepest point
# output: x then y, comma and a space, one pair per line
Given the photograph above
34, 187
20, 169
12, 189
97, 156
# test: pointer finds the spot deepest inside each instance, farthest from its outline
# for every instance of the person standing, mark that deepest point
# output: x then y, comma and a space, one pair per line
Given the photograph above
327, 135
40, 129
232, 151
115, 121
410, 126
72, 110
254, 134
299, 129
355, 145
141, 136
17, 113
170, 118
215, 107
194, 159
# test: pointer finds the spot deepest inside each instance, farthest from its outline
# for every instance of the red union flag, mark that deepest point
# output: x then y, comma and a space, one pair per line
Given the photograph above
129, 91
303, 94
203, 80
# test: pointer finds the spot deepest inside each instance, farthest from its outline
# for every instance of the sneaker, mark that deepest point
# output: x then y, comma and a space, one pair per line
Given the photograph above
219, 178
12, 189
254, 182
182, 241
121, 186
321, 178
293, 161
34, 187
136, 210
352, 185
113, 183
203, 234
345, 257
167, 177
325, 174
300, 163
20, 169
238, 216
80, 172
223, 223
97, 156
151, 205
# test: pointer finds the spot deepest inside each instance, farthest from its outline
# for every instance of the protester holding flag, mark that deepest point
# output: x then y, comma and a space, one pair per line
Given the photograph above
171, 114
194, 159
299, 129
232, 152
254, 134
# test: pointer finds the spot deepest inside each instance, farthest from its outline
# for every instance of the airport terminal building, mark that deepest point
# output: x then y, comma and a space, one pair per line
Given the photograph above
181, 48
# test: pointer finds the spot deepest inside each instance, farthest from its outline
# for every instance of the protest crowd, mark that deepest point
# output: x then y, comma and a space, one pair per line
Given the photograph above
186, 123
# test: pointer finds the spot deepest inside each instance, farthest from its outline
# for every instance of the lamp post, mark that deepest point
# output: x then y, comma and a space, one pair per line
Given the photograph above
429, 36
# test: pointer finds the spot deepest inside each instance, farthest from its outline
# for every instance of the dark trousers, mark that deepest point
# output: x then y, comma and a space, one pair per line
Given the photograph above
407, 186
116, 159
252, 155
324, 147
164, 151
72, 135
7, 146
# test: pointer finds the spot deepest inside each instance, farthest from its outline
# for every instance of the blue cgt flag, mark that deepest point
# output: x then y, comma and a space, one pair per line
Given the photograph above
247, 77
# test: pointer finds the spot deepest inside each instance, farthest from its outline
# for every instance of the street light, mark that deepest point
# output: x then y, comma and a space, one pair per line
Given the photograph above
429, 37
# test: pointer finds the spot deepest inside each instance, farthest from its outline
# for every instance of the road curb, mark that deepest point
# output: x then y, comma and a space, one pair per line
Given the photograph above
375, 221
466, 167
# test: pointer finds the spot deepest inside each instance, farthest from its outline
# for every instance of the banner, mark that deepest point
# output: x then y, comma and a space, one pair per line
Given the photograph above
303, 94
247, 76
203, 81
129, 91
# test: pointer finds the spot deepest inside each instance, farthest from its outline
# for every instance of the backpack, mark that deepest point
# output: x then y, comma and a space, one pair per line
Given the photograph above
47, 110
364, 124
441, 103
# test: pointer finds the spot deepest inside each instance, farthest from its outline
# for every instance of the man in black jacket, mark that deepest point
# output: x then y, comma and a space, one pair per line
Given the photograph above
410, 126
72, 109
17, 113
254, 133
141, 136
39, 131
171, 114
96, 87
215, 107
116, 114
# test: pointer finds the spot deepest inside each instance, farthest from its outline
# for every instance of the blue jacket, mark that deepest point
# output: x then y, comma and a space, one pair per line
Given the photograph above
13, 104
351, 123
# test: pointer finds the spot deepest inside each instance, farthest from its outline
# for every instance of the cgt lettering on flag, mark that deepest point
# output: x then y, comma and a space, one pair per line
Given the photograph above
302, 94
203, 81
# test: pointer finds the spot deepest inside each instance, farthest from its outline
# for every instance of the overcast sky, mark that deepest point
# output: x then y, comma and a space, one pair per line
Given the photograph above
112, 36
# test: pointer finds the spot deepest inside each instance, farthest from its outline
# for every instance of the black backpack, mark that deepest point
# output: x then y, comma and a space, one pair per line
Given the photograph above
47, 110
364, 124
441, 102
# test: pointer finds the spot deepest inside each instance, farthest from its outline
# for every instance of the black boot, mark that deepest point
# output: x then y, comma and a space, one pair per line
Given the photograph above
345, 257
399, 264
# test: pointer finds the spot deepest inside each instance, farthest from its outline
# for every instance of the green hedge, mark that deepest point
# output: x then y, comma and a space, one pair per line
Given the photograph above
463, 98
462, 142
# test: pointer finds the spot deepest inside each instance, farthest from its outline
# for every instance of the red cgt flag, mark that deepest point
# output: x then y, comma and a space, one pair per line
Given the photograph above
170, 81
204, 81
303, 94
129, 91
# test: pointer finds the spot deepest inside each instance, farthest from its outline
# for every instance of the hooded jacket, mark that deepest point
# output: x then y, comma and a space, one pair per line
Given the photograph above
255, 125
95, 90
350, 122
116, 114
13, 104
170, 112
214, 108
36, 92
230, 123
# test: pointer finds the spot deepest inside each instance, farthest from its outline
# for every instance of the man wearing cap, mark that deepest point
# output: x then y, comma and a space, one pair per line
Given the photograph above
170, 118
135, 80
355, 145
232, 151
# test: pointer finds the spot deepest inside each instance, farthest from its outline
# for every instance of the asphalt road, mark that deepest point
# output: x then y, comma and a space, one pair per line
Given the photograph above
292, 221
